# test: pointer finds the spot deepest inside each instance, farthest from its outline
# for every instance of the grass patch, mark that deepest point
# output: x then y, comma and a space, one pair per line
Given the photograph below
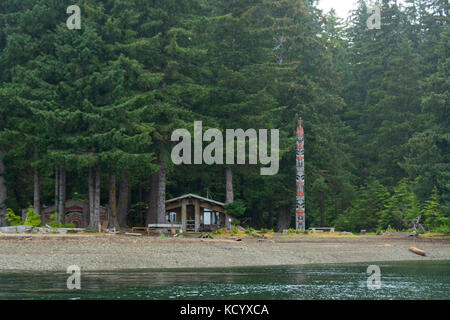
248, 233
322, 235
434, 235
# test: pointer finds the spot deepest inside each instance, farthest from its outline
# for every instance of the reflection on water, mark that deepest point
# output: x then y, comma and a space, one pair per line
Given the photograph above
399, 280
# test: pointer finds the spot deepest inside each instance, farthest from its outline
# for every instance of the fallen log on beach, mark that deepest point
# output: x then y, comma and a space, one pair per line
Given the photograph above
218, 241
133, 234
417, 251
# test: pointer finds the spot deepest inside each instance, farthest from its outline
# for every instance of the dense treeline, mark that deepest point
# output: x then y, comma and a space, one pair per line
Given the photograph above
88, 114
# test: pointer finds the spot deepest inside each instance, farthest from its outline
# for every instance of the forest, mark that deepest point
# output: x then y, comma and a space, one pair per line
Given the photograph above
88, 113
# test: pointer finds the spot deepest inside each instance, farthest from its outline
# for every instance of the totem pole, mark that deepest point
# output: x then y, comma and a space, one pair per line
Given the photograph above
300, 165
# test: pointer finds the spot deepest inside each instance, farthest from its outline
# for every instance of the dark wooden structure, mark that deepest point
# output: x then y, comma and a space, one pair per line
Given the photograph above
197, 214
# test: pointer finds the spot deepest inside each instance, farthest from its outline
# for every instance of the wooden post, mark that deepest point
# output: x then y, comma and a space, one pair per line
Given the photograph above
300, 178
197, 216
183, 214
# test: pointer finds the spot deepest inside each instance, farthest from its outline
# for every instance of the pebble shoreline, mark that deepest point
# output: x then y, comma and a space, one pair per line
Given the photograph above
109, 252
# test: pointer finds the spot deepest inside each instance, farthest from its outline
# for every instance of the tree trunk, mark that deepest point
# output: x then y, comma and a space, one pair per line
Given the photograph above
91, 198
56, 191
96, 221
123, 201
62, 196
161, 200
112, 200
229, 185
37, 186
3, 192
256, 217
156, 212
152, 215
270, 218
284, 218
322, 210
140, 212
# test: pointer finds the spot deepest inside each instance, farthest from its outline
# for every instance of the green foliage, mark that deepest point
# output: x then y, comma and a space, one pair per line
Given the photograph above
79, 197
13, 219
401, 208
54, 221
90, 230
291, 230
255, 234
135, 214
236, 209
433, 214
365, 210
444, 227
390, 229
249, 230
33, 219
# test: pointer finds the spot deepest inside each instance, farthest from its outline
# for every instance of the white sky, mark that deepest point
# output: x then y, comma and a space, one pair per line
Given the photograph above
342, 7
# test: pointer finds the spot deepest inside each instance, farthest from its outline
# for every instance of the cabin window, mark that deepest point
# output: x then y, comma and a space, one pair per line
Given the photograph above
207, 216
215, 218
172, 216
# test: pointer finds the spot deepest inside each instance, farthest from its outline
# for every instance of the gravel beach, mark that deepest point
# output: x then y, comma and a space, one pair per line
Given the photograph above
111, 252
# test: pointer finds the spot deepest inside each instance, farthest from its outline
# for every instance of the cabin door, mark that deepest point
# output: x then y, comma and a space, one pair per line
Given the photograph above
190, 216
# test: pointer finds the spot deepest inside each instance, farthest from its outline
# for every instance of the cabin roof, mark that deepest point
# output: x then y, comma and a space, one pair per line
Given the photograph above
190, 195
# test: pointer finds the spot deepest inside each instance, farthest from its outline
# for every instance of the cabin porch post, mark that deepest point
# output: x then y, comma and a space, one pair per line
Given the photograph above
197, 216
183, 215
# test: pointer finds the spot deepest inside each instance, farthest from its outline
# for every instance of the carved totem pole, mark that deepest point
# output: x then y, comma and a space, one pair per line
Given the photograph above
300, 165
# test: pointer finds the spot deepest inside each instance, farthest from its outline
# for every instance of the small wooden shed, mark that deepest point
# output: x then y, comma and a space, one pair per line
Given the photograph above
197, 214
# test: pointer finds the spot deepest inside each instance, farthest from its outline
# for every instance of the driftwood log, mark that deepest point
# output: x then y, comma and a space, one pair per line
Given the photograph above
417, 251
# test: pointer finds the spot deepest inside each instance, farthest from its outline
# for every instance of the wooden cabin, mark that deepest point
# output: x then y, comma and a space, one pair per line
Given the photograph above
197, 214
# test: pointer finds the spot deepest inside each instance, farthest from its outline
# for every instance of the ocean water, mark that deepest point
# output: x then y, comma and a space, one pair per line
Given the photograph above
399, 280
